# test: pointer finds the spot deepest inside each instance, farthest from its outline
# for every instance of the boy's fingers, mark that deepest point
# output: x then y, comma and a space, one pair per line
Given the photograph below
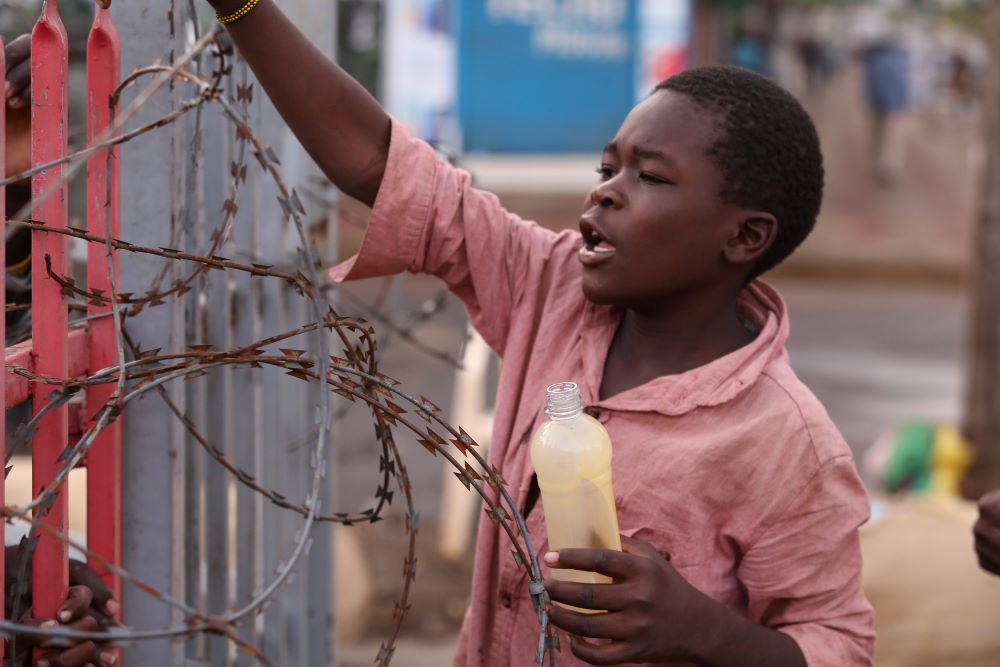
604, 654
17, 50
108, 659
598, 626
77, 656
614, 564
989, 555
639, 547
104, 621
80, 574
17, 57
34, 640
18, 84
605, 597
986, 533
989, 507
77, 602
85, 624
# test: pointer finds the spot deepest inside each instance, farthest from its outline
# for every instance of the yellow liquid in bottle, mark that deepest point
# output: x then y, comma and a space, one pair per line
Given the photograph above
572, 458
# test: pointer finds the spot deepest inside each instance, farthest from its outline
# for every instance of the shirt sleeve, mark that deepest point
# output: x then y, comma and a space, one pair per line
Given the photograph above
803, 575
428, 218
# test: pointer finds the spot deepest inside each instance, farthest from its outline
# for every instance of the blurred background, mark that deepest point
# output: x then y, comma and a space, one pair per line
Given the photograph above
894, 299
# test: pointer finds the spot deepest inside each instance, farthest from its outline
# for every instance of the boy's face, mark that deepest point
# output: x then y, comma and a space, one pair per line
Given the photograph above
654, 227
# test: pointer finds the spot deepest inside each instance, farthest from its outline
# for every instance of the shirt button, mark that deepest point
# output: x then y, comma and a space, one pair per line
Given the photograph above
506, 600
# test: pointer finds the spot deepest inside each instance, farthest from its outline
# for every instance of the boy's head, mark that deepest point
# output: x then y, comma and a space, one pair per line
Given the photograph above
767, 149
713, 179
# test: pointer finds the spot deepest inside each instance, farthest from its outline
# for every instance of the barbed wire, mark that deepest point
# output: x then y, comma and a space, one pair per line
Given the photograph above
353, 377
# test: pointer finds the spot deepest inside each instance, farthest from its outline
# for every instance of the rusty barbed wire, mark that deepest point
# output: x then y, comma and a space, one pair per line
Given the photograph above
353, 377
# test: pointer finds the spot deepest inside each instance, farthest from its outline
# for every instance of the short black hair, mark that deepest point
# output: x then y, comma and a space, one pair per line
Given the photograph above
767, 149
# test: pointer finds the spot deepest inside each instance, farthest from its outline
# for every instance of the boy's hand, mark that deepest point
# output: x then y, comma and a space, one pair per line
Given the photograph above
987, 532
654, 615
89, 607
17, 57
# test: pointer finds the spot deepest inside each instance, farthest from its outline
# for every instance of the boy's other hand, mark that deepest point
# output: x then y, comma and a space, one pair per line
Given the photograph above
89, 607
653, 614
987, 532
17, 56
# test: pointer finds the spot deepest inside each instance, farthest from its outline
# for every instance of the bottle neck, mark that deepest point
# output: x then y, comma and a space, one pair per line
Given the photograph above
562, 401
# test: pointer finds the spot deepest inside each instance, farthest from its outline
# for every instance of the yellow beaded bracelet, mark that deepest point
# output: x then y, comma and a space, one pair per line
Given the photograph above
239, 13
21, 266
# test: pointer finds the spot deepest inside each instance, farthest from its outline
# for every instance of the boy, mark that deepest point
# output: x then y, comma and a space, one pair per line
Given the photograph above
738, 498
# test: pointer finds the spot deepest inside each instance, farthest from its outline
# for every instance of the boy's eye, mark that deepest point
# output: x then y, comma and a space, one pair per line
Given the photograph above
605, 172
652, 178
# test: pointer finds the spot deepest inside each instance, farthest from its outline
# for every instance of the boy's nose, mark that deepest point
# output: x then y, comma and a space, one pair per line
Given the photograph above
605, 196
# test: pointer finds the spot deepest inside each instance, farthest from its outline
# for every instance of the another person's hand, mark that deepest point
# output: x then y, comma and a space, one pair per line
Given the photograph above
987, 532
654, 615
89, 607
17, 57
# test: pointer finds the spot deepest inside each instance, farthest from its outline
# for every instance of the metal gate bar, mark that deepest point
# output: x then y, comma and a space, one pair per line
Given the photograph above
49, 129
104, 459
53, 350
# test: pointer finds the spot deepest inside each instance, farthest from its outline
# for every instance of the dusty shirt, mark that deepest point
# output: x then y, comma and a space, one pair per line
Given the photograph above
734, 468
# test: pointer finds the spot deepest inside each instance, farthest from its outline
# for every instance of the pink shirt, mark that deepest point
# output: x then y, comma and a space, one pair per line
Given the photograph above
734, 468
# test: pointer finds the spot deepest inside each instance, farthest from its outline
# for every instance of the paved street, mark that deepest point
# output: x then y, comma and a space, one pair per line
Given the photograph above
878, 355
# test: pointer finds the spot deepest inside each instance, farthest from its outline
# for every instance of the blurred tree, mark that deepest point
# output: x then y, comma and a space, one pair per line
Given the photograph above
982, 418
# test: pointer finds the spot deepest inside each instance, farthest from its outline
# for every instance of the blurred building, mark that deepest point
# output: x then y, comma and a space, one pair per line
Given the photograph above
527, 76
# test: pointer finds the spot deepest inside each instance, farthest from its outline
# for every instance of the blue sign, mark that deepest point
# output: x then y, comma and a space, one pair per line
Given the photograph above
544, 75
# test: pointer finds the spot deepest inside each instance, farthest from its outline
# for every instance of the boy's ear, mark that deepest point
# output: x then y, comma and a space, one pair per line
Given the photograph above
754, 234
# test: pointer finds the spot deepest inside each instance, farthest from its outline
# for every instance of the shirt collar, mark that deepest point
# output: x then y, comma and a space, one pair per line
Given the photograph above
712, 384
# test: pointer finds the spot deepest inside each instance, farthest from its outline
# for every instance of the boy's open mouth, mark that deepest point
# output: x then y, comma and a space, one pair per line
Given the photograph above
596, 247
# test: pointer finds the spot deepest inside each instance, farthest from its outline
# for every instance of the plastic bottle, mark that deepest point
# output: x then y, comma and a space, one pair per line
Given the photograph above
571, 453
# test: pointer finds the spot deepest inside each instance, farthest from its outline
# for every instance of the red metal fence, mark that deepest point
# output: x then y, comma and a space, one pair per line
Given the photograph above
55, 349
200, 534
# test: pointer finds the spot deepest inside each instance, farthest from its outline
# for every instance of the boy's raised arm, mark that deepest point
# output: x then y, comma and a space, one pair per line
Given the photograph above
341, 126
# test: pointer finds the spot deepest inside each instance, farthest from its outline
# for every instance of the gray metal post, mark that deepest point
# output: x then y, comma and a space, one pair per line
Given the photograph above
153, 466
184, 516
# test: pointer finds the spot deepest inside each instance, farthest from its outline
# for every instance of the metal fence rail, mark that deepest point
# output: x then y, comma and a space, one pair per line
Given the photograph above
50, 123
221, 490
54, 350
185, 526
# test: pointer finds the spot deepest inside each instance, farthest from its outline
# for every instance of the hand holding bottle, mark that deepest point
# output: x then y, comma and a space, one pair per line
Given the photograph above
654, 614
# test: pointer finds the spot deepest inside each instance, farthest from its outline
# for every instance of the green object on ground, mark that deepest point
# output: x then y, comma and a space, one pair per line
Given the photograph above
909, 466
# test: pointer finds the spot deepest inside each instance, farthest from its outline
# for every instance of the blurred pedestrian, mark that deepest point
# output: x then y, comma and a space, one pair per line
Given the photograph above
887, 87
753, 42
750, 51
887, 90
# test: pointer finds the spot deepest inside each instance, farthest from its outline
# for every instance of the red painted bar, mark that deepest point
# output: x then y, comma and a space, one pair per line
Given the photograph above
49, 49
104, 461
18, 389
